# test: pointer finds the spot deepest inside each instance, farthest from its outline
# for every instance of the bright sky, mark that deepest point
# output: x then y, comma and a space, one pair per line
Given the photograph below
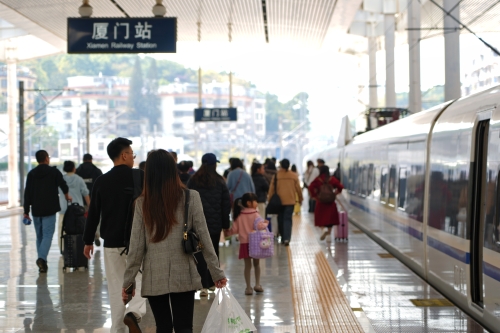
332, 80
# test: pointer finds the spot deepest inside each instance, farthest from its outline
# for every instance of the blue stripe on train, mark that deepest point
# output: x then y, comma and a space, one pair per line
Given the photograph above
488, 269
407, 229
449, 250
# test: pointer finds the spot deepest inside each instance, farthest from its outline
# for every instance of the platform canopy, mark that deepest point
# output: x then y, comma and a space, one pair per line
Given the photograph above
41, 24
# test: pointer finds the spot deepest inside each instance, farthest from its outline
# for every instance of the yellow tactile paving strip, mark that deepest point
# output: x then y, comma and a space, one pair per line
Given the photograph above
319, 303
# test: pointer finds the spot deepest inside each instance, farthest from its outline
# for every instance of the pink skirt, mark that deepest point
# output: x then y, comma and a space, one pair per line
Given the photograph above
244, 251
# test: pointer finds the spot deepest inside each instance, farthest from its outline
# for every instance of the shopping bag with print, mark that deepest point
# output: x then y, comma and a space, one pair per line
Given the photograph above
260, 242
227, 316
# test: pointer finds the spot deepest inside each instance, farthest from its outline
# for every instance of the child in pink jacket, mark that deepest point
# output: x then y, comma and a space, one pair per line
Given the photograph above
245, 215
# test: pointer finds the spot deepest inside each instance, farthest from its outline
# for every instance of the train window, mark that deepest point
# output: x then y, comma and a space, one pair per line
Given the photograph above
384, 179
369, 182
392, 186
402, 188
364, 181
376, 184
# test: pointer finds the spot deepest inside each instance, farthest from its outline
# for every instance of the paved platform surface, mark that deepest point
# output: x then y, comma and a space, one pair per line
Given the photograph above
378, 290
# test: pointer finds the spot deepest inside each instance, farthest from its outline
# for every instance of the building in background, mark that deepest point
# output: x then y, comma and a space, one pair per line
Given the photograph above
483, 73
108, 103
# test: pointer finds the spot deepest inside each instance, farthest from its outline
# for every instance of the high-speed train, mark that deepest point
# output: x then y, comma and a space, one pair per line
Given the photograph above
427, 188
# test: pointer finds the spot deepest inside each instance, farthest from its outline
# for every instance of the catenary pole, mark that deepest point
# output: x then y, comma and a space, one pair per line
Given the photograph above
88, 127
21, 142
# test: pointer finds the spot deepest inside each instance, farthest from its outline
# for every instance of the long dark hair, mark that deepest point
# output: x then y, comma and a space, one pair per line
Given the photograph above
255, 168
206, 176
162, 193
242, 202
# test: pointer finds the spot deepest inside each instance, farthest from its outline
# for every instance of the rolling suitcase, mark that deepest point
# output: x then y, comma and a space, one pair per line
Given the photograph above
73, 252
341, 230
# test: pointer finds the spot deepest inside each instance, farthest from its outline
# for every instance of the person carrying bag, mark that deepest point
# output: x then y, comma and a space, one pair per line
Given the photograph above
169, 277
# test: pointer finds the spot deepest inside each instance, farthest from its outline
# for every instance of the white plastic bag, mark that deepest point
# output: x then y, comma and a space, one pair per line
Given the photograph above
227, 316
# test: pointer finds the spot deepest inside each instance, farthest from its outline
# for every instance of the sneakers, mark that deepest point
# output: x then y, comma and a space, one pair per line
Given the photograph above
42, 265
287, 243
323, 236
204, 292
248, 291
131, 321
328, 239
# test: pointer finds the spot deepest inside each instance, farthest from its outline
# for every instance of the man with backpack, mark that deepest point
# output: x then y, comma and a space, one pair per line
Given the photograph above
89, 172
41, 193
112, 196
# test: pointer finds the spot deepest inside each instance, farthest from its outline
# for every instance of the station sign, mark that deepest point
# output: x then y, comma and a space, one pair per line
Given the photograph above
215, 114
122, 35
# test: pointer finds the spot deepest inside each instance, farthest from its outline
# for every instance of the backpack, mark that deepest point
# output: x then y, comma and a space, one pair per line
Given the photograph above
136, 192
74, 219
326, 193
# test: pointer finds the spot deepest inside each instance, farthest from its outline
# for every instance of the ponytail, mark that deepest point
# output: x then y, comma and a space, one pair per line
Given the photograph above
237, 207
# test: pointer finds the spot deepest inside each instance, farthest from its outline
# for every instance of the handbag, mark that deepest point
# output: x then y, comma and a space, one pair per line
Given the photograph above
191, 242
274, 205
260, 242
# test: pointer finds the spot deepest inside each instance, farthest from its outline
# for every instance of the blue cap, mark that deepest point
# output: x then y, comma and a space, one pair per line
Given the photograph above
209, 159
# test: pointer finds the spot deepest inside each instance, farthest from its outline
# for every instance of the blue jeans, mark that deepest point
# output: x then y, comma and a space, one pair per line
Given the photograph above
44, 229
285, 222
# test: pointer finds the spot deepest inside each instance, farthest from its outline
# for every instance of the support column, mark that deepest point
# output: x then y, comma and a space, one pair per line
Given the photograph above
11, 111
415, 96
452, 86
390, 80
372, 68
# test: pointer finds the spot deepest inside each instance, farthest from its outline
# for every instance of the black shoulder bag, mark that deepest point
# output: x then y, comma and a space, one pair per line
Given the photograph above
274, 204
191, 242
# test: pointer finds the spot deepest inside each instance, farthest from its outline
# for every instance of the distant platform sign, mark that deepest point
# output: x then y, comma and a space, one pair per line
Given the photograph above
122, 35
215, 114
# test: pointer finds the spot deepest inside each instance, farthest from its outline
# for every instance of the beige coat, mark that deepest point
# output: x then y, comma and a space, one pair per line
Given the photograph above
166, 268
288, 186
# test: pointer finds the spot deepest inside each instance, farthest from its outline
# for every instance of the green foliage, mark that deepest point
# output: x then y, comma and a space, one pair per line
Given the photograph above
289, 112
152, 100
136, 100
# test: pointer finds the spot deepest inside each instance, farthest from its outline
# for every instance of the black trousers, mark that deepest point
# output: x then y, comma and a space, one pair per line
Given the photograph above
206, 278
182, 312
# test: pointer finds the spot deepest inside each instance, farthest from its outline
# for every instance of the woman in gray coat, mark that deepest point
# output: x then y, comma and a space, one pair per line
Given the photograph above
169, 276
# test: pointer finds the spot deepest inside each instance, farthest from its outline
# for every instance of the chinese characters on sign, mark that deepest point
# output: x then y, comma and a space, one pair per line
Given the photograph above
215, 114
116, 35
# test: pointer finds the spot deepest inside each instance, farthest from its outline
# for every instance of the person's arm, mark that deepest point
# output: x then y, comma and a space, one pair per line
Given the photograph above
137, 248
27, 196
313, 188
271, 188
336, 184
225, 206
298, 190
62, 184
94, 216
265, 184
200, 226
252, 185
230, 181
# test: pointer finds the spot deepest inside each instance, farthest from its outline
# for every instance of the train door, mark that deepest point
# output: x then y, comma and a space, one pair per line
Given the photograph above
477, 200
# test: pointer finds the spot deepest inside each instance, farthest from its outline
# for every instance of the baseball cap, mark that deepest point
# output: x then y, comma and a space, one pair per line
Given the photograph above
209, 159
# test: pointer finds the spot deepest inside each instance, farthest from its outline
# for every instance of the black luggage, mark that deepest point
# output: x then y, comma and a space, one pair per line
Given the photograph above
73, 252
72, 237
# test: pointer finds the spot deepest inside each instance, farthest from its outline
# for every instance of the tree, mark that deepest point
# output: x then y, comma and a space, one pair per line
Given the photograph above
152, 100
289, 112
137, 106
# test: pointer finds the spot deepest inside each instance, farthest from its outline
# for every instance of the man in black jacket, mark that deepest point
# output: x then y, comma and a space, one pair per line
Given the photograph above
42, 195
111, 197
89, 172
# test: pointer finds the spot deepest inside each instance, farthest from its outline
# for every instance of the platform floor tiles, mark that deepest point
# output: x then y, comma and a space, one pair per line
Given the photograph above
381, 288
378, 289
